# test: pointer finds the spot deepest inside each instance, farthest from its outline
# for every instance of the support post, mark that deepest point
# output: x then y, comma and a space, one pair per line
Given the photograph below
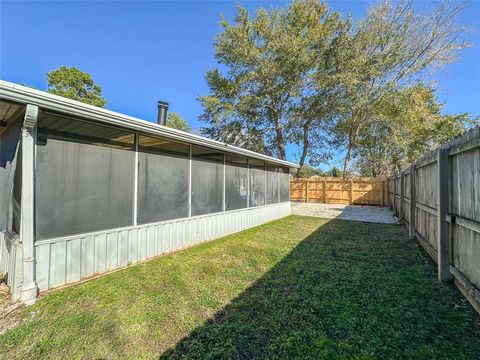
135, 180
265, 183
29, 288
413, 208
402, 197
442, 211
278, 183
190, 181
248, 184
224, 207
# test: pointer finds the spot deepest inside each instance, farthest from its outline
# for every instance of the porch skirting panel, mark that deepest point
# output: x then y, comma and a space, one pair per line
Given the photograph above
11, 263
68, 260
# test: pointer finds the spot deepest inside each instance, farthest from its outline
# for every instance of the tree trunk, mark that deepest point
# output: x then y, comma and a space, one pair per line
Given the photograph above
306, 145
352, 138
346, 161
280, 139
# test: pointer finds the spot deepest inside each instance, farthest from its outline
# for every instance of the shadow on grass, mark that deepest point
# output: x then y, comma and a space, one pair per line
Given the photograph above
349, 290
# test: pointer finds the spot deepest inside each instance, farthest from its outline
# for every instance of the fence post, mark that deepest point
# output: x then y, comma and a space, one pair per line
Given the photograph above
402, 197
381, 196
325, 191
351, 192
389, 202
442, 212
306, 191
395, 194
413, 207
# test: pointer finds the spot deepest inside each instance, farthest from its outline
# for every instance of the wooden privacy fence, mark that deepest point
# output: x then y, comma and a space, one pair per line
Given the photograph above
364, 191
439, 198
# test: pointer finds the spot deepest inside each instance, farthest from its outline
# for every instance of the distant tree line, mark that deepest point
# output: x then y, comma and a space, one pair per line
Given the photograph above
309, 171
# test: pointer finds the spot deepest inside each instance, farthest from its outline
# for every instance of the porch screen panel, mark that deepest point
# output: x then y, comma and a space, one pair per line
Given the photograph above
84, 177
272, 184
236, 182
207, 181
257, 183
162, 180
284, 175
12, 115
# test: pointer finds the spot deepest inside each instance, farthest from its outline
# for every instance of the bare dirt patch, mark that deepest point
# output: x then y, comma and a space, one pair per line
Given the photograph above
8, 317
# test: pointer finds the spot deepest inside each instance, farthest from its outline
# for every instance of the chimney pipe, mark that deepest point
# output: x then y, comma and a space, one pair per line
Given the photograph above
162, 113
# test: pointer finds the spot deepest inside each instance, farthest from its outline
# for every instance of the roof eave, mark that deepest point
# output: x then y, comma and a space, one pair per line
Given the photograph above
26, 95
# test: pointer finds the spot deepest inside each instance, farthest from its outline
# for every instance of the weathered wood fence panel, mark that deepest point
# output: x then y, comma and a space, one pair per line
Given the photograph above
362, 191
446, 209
406, 200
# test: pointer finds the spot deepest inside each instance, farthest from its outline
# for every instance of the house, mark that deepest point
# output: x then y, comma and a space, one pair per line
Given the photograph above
85, 191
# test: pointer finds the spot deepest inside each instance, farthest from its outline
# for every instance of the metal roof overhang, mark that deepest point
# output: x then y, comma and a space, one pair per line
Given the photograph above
47, 101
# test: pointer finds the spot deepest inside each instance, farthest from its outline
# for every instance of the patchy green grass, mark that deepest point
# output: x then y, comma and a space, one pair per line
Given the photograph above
299, 287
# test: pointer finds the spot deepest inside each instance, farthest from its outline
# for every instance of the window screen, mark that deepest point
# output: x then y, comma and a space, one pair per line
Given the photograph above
162, 180
272, 184
257, 182
11, 115
84, 177
284, 184
207, 181
236, 182
17, 193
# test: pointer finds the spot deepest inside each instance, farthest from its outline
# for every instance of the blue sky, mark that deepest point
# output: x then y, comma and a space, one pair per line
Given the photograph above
140, 52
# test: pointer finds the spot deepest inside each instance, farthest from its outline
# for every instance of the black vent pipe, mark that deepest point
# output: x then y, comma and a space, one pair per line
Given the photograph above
162, 112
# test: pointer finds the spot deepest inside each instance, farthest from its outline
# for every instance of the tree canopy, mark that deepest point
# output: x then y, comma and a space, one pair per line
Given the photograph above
307, 76
403, 126
395, 47
75, 84
175, 121
266, 91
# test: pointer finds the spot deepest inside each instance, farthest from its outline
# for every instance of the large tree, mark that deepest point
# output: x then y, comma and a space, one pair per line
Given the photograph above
305, 76
392, 49
274, 81
75, 84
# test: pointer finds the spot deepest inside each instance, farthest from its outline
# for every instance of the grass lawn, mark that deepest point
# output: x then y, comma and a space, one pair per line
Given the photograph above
299, 287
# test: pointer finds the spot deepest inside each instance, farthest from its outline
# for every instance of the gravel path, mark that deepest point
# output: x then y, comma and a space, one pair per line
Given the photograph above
375, 214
